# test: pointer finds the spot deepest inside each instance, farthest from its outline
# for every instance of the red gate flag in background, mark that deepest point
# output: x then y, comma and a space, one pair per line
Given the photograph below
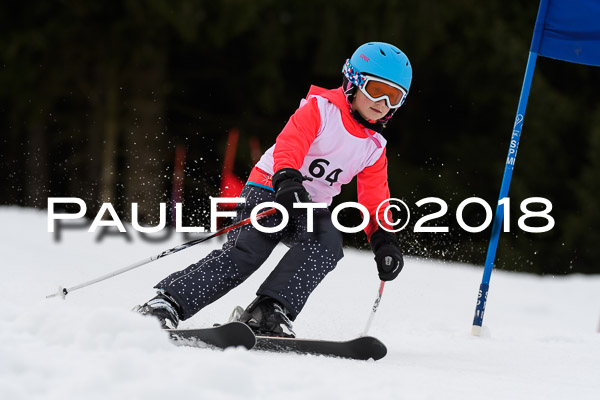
231, 185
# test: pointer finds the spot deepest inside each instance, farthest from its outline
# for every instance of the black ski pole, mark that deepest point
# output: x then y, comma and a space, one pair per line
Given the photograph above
62, 292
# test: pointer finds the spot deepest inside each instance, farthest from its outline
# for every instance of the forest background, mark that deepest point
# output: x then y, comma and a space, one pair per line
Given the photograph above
96, 98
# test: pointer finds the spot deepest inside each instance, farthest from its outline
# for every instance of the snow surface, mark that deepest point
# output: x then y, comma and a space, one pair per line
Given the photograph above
540, 339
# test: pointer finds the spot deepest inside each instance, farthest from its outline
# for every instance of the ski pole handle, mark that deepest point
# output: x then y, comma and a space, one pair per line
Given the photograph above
62, 292
374, 309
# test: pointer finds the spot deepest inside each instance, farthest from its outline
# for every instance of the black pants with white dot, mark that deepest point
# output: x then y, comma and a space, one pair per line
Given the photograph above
311, 256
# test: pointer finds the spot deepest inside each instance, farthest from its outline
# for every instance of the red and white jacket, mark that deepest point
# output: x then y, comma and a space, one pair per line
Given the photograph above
326, 143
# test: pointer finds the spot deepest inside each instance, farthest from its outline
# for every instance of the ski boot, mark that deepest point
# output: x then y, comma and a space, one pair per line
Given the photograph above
267, 317
164, 308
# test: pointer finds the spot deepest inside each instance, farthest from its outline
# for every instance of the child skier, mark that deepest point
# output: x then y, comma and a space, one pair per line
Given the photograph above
334, 136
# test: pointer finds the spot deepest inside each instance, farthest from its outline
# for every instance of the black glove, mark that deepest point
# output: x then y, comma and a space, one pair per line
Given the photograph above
287, 183
387, 254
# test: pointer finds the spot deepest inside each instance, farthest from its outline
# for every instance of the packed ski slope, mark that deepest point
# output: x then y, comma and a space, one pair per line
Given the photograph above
540, 342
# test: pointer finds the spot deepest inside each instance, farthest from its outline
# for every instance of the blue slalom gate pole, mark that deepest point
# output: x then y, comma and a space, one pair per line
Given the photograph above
499, 216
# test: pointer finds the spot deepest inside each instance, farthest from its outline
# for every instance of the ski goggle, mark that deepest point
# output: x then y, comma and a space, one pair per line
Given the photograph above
377, 89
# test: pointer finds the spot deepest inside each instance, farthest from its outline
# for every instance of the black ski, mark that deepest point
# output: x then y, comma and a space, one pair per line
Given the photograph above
235, 334
361, 348
231, 334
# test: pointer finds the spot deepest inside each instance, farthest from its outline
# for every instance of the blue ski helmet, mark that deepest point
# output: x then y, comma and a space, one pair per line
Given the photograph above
379, 59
